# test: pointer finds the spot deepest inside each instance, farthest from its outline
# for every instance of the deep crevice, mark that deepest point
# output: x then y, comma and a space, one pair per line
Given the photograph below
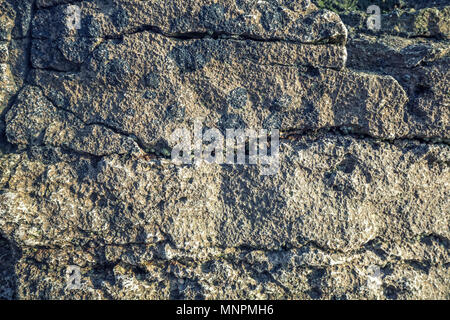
213, 35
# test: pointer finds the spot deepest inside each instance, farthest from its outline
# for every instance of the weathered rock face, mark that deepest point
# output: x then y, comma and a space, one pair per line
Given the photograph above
358, 209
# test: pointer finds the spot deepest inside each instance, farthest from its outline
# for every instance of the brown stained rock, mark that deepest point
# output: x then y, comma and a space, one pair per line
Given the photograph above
7, 16
335, 203
198, 78
358, 210
7, 85
425, 22
34, 120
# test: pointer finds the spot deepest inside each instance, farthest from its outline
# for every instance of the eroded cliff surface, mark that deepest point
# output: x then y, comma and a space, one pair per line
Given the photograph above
359, 208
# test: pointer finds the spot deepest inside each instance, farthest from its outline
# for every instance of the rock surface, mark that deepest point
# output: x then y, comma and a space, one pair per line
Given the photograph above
359, 208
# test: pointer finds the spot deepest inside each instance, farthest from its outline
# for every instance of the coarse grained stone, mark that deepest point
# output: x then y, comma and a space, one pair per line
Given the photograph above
197, 79
287, 20
36, 121
425, 22
359, 208
366, 187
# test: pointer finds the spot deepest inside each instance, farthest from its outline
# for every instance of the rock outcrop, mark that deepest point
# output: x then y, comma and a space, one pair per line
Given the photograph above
90, 96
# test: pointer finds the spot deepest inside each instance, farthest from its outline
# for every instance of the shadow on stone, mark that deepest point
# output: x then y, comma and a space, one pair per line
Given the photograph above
8, 278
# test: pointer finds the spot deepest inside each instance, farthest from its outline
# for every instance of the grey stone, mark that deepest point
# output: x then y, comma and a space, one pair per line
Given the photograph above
359, 208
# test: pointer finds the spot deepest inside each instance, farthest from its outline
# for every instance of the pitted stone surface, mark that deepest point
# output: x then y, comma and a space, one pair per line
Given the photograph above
359, 208
298, 21
198, 76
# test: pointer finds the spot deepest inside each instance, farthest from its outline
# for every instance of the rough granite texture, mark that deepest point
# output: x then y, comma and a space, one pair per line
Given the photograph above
86, 177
